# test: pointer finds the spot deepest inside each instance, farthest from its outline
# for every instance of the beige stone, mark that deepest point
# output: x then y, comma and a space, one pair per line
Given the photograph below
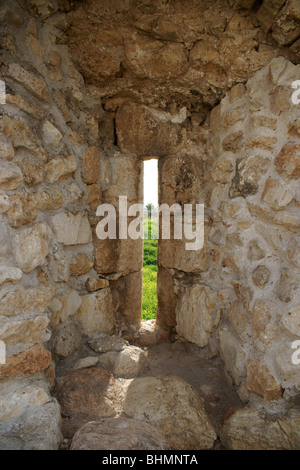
261, 381
10, 176
59, 168
66, 339
93, 284
249, 429
72, 229
108, 434
31, 246
33, 170
91, 165
287, 162
147, 57
35, 359
51, 135
94, 195
85, 362
291, 320
9, 274
24, 105
233, 354
130, 362
81, 264
174, 408
19, 333
261, 275
20, 300
13, 403
6, 151
65, 306
194, 314
233, 142
22, 209
31, 82
23, 137
96, 313
276, 195
50, 198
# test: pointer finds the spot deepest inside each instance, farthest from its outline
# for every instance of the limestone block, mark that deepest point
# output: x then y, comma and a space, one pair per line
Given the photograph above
33, 170
194, 314
93, 284
51, 135
28, 80
12, 404
39, 427
91, 165
10, 176
96, 312
249, 429
68, 304
80, 264
276, 195
21, 332
22, 137
50, 198
143, 131
287, 162
20, 300
72, 229
233, 142
147, 57
9, 274
6, 151
261, 381
24, 105
130, 362
85, 362
59, 168
34, 359
31, 246
174, 408
66, 340
5, 247
22, 209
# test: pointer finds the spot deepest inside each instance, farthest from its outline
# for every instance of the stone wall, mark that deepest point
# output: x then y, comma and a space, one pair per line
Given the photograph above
83, 110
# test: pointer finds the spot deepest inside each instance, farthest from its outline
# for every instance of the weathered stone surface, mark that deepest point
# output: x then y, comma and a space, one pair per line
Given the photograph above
72, 229
32, 169
85, 362
148, 57
96, 313
93, 284
174, 408
276, 195
150, 333
288, 285
22, 137
51, 135
261, 381
248, 429
194, 314
31, 246
22, 209
6, 151
291, 320
81, 264
59, 168
36, 428
118, 434
94, 195
264, 323
64, 306
87, 394
91, 165
10, 176
24, 105
261, 275
233, 354
249, 170
285, 368
255, 252
50, 198
287, 162
20, 300
9, 274
15, 397
101, 343
32, 360
130, 362
34, 84
233, 142
144, 131
66, 339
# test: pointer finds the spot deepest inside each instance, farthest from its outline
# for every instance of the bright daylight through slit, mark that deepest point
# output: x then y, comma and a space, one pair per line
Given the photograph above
149, 305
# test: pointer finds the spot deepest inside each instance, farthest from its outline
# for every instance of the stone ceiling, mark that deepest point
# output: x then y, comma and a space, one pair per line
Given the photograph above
174, 53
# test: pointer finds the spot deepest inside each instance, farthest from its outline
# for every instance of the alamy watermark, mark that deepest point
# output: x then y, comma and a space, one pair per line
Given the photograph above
2, 352
2, 92
188, 222
296, 94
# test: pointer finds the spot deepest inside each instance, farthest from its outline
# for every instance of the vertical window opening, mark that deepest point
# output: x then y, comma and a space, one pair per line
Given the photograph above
149, 302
